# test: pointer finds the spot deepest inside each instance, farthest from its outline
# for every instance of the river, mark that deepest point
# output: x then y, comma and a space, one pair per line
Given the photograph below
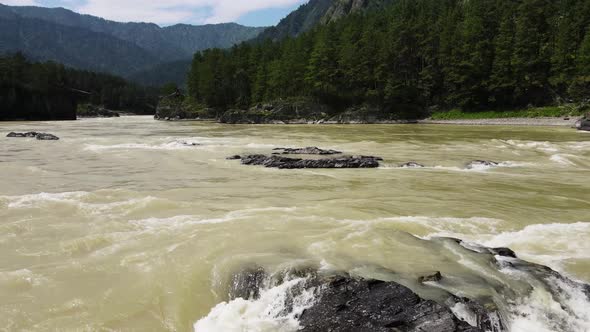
120, 225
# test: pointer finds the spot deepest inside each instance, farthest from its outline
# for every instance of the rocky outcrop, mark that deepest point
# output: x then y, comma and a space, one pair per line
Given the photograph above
93, 111
411, 164
176, 107
310, 111
32, 134
481, 163
348, 304
288, 111
337, 301
584, 123
309, 150
275, 161
47, 137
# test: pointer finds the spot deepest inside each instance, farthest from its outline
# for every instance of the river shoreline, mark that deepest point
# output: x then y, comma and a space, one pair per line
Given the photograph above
537, 122
529, 122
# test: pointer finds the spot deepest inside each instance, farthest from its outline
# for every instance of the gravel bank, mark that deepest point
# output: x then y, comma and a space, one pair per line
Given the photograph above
555, 122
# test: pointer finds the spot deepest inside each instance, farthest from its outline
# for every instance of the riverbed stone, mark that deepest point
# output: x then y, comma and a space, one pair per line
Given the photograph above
312, 150
28, 134
46, 137
349, 304
411, 164
280, 162
32, 134
481, 163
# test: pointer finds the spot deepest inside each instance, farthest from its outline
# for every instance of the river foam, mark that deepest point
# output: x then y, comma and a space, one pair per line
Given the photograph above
269, 313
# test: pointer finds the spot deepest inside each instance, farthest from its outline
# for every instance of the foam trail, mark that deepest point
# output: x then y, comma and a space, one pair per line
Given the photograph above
269, 313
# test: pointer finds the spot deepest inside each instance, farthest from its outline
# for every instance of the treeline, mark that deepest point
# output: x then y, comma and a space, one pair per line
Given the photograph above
39, 91
414, 56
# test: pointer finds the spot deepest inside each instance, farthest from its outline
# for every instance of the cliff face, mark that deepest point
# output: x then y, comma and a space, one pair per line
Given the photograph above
318, 12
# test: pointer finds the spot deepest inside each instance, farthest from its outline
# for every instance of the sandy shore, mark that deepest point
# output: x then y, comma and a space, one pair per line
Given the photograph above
554, 122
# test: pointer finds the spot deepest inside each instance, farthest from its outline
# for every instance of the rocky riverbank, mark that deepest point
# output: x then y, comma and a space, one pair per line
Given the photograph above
546, 122
93, 111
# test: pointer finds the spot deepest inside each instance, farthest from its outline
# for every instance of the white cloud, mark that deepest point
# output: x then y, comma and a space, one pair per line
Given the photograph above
168, 11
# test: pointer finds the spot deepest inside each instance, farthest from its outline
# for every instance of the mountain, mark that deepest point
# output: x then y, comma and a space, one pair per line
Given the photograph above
318, 12
168, 72
89, 42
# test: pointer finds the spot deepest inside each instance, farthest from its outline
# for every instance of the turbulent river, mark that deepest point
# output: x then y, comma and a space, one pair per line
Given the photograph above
123, 224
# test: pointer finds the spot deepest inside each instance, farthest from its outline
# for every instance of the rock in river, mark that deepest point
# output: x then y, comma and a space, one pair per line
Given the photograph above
411, 164
296, 163
307, 150
481, 163
39, 136
348, 304
29, 134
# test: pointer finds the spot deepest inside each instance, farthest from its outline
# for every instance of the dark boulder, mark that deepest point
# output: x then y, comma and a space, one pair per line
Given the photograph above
29, 134
411, 164
308, 150
583, 124
93, 111
436, 277
504, 252
348, 304
247, 284
481, 163
297, 163
236, 157
32, 134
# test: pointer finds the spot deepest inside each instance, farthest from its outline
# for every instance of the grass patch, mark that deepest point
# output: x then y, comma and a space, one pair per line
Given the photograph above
536, 112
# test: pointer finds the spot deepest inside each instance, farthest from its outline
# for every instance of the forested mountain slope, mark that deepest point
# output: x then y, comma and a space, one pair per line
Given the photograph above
413, 56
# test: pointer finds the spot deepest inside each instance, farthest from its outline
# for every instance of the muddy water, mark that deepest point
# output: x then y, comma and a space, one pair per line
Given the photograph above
121, 225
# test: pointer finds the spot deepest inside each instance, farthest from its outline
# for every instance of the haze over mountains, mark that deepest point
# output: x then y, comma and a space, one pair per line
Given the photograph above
144, 52
88, 42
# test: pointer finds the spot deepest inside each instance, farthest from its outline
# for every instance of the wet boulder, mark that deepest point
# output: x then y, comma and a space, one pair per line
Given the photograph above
280, 162
46, 137
435, 277
349, 304
28, 134
584, 123
411, 164
247, 284
308, 150
481, 163
32, 134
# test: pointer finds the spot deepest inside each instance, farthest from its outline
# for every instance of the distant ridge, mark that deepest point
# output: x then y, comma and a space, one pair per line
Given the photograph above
89, 42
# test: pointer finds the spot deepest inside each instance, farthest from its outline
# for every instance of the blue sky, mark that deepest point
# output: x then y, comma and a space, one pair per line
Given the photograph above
168, 12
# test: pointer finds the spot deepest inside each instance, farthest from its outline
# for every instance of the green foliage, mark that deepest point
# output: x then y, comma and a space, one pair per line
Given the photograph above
51, 91
538, 112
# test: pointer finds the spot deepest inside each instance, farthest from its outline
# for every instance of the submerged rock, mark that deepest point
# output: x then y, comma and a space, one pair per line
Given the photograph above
236, 157
47, 137
411, 164
32, 134
29, 134
481, 163
436, 277
308, 150
93, 111
275, 161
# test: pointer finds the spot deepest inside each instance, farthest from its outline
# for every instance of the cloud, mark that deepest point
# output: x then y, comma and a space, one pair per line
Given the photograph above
166, 11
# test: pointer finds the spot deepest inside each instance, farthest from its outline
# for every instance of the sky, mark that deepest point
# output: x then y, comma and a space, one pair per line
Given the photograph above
168, 12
